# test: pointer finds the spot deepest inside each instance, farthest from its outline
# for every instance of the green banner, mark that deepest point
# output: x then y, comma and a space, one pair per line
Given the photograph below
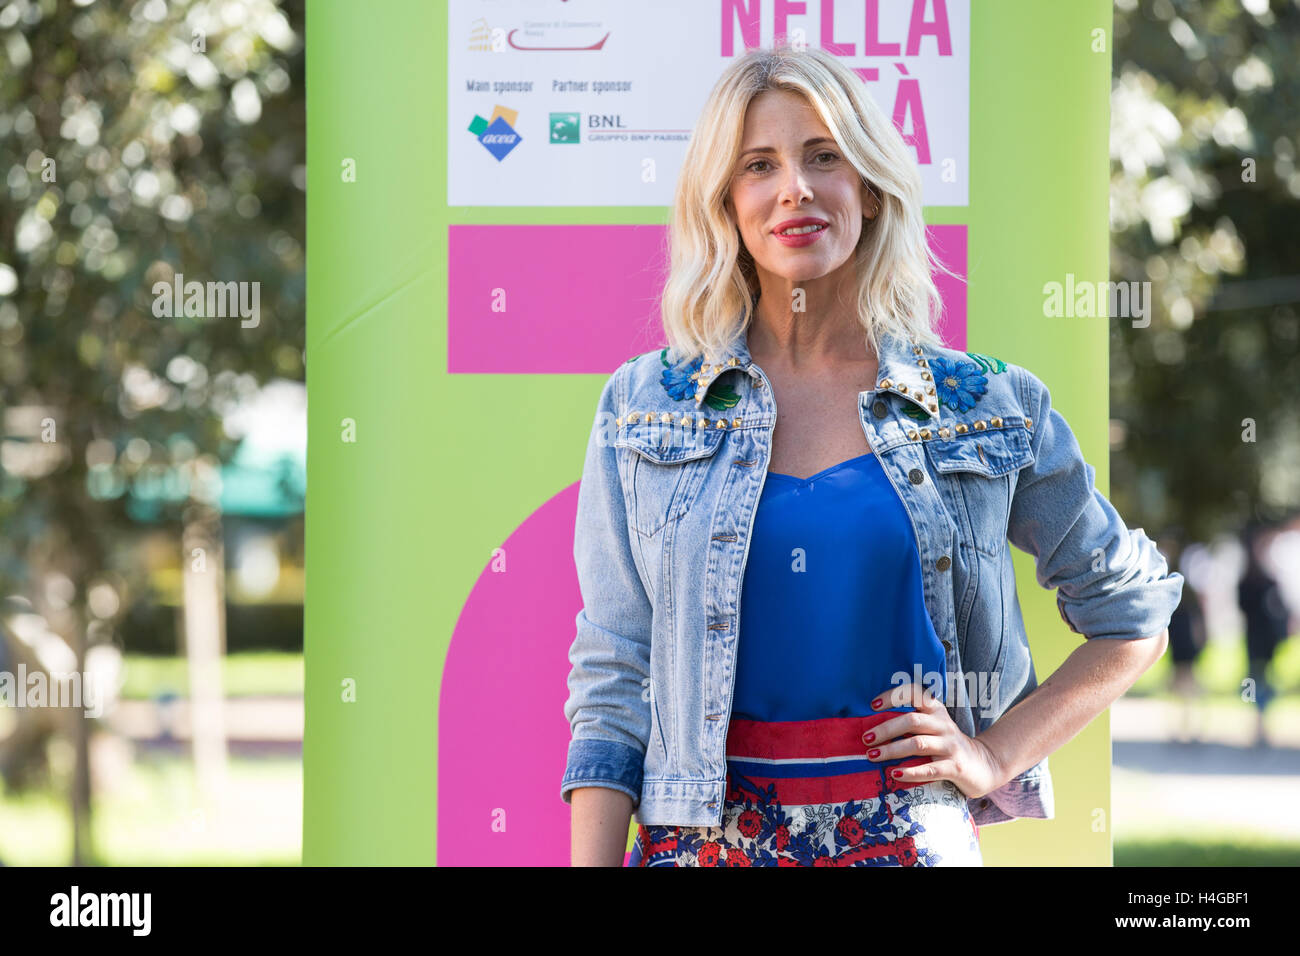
438, 483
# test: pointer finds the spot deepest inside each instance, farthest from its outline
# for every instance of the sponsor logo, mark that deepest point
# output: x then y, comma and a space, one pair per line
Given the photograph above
564, 127
497, 134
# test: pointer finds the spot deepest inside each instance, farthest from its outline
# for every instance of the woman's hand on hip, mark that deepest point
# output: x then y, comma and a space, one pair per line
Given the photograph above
930, 732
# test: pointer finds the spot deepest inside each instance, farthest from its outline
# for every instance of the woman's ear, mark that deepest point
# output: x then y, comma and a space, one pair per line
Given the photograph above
870, 204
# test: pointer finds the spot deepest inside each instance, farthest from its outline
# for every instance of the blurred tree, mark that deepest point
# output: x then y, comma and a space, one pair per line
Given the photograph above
141, 141
1205, 194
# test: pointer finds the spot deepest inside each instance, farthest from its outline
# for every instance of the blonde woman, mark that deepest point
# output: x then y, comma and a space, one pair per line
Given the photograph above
801, 643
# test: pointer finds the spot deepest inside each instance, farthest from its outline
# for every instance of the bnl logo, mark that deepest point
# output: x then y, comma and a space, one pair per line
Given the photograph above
497, 134
565, 126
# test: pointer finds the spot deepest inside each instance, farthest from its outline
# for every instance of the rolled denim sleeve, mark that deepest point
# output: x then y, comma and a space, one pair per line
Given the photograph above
608, 713
1110, 580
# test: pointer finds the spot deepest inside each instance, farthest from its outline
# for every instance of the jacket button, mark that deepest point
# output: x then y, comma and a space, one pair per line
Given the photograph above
879, 410
943, 563
916, 476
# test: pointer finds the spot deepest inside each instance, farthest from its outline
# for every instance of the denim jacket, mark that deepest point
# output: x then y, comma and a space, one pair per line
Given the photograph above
674, 468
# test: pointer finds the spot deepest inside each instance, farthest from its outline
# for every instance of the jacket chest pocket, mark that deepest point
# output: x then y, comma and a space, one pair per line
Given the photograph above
663, 468
977, 475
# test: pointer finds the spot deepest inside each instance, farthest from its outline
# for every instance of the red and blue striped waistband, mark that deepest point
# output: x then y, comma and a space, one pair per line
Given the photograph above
813, 761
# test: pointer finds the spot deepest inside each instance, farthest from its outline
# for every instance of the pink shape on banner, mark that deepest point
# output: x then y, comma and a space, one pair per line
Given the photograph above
502, 738
949, 246
579, 299
582, 299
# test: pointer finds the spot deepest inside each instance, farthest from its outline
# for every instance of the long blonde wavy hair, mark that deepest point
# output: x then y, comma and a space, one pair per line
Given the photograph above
712, 285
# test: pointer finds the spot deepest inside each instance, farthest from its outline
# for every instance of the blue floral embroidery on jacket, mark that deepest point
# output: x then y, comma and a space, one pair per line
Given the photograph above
959, 384
679, 382
677, 378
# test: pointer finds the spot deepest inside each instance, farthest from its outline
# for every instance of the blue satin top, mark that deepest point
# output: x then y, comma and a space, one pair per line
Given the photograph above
831, 606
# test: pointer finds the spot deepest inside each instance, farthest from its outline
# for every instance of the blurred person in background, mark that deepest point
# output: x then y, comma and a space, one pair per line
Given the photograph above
1267, 622
1187, 636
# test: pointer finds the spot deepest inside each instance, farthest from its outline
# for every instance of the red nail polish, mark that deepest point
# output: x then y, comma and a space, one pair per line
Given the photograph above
868, 738
898, 773
876, 703
873, 754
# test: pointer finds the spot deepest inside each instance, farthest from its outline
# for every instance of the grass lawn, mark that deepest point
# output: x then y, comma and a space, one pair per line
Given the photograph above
247, 674
152, 816
1221, 668
1226, 849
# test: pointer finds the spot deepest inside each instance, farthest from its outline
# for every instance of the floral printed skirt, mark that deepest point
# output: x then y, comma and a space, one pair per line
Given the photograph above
803, 793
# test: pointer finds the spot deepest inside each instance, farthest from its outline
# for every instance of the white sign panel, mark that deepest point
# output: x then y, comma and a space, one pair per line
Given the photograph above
591, 102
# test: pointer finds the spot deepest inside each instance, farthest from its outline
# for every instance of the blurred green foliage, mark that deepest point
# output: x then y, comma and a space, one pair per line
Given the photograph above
140, 140
1205, 194
144, 145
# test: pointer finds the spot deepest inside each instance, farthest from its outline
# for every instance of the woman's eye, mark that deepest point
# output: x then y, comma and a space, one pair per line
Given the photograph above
756, 162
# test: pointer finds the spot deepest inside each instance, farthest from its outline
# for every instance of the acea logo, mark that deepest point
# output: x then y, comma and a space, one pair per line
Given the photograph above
497, 134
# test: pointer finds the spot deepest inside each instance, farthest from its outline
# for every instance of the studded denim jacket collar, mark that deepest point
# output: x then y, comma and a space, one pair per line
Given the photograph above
902, 368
